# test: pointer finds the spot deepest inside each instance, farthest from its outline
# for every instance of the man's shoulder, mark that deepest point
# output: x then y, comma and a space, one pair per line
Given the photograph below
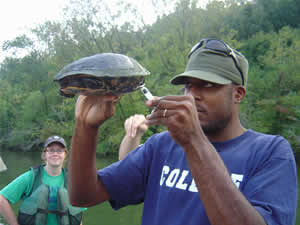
161, 140
263, 137
276, 145
164, 135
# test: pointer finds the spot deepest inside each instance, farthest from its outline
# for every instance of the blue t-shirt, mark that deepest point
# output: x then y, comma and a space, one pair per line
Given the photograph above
156, 173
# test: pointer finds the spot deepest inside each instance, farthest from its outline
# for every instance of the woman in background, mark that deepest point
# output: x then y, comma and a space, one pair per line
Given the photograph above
43, 191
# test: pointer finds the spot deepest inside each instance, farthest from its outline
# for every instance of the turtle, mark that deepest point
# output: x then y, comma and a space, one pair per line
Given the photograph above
101, 74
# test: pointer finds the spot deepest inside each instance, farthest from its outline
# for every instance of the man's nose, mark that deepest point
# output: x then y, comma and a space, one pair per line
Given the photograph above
194, 92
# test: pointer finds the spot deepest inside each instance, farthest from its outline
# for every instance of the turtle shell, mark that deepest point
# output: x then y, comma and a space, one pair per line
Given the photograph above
101, 74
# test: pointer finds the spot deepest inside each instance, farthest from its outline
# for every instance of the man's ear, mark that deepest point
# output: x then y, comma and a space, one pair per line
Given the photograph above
239, 94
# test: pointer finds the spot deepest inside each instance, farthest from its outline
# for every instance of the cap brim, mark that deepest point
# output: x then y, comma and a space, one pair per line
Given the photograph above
202, 75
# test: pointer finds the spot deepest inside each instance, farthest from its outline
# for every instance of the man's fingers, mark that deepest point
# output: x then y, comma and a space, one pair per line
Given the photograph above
161, 113
176, 102
112, 98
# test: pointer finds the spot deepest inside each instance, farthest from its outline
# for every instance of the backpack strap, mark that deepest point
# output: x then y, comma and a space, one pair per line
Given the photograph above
59, 213
37, 177
66, 173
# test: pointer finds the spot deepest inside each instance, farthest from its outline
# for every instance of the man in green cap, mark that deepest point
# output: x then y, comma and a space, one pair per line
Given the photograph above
206, 168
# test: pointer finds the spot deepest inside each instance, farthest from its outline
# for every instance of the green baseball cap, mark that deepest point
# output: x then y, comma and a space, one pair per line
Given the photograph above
215, 65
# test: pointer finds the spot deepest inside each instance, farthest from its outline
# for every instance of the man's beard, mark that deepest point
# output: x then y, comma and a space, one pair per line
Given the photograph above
216, 127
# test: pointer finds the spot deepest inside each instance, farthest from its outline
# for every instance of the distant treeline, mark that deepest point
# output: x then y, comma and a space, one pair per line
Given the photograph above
266, 31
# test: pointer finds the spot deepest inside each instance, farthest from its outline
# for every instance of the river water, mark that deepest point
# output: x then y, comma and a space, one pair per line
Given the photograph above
17, 163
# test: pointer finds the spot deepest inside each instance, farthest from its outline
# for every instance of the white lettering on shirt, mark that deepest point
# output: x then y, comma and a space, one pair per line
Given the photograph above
164, 172
172, 178
237, 179
193, 187
180, 184
178, 179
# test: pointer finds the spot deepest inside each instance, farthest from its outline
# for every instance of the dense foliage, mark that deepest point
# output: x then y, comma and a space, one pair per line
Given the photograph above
266, 31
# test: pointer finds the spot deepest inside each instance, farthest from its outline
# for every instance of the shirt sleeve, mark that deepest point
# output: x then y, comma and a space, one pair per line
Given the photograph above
19, 187
126, 180
272, 189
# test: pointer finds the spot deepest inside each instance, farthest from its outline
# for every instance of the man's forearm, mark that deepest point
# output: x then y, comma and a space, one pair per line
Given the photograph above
83, 178
223, 202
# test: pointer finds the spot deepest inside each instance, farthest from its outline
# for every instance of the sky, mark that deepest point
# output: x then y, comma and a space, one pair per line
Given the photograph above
18, 16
